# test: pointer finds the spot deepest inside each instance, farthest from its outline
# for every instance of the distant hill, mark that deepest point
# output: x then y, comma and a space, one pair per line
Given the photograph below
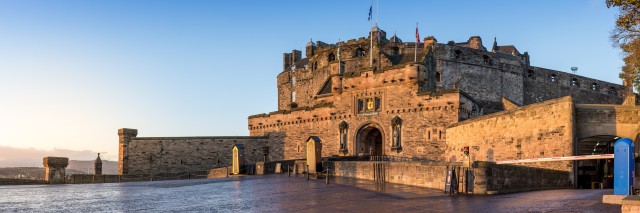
108, 167
75, 167
36, 173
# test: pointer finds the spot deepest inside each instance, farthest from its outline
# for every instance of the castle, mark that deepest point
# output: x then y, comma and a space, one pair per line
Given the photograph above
418, 101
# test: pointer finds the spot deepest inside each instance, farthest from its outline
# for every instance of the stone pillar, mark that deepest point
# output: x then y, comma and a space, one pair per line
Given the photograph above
54, 169
97, 165
237, 161
314, 154
125, 136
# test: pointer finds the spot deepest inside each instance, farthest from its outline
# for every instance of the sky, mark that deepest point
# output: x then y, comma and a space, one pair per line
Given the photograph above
72, 72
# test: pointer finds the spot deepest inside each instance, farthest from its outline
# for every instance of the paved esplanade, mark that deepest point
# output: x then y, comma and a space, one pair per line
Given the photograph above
277, 193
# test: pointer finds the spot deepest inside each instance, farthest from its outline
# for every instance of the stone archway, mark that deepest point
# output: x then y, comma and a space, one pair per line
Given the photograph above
597, 170
369, 140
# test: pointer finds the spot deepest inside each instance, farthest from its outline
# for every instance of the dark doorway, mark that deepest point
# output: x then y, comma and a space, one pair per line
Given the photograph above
370, 141
595, 173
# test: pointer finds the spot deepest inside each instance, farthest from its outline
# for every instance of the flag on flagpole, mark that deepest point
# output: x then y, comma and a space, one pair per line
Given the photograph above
415, 54
370, 11
417, 34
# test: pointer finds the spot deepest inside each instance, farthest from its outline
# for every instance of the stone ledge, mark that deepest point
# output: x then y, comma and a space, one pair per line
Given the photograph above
613, 199
630, 200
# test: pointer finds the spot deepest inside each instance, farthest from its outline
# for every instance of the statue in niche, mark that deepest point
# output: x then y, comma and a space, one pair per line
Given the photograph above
343, 136
396, 125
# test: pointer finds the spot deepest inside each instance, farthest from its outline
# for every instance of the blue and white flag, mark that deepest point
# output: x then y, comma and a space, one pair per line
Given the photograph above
370, 10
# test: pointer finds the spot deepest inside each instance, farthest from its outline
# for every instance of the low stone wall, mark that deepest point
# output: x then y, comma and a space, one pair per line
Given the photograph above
10, 181
429, 175
488, 178
82, 178
492, 178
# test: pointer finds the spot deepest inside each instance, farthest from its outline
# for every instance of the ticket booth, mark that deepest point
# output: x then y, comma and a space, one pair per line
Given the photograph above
237, 163
623, 167
314, 154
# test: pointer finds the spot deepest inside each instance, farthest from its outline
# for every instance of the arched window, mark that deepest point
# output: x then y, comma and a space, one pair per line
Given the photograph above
553, 78
595, 86
458, 54
360, 52
396, 51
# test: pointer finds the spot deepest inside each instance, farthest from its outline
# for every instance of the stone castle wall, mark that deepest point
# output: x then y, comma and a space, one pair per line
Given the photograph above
487, 82
540, 130
616, 120
148, 155
542, 84
424, 116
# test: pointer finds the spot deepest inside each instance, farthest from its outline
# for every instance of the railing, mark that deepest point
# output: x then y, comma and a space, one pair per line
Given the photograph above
391, 158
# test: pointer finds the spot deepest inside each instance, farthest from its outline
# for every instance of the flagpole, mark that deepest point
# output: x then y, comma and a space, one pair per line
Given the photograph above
370, 37
339, 61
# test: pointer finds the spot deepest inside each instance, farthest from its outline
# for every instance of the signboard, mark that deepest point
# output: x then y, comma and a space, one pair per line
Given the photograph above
451, 182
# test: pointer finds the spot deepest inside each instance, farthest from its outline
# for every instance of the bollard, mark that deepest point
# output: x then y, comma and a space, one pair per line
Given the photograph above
307, 172
327, 176
227, 171
289, 170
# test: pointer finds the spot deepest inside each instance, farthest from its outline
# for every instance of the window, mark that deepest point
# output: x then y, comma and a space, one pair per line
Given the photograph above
575, 83
438, 77
553, 77
594, 86
458, 54
360, 106
396, 51
360, 52
486, 60
612, 90
530, 74
331, 57
377, 104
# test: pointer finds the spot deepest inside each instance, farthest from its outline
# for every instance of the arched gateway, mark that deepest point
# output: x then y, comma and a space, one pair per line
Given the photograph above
369, 139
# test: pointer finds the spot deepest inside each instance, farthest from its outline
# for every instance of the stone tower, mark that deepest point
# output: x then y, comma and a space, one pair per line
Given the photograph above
97, 165
125, 136
54, 169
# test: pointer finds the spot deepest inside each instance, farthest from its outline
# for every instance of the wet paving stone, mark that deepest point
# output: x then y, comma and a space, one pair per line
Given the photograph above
278, 193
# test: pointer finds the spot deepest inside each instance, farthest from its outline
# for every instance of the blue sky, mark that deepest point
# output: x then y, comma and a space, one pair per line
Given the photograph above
73, 72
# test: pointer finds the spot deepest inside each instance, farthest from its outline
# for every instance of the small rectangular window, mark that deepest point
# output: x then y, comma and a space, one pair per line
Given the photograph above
360, 106
377, 104
293, 82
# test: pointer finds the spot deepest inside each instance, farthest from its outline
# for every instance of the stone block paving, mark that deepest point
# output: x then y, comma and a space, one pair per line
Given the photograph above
278, 193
